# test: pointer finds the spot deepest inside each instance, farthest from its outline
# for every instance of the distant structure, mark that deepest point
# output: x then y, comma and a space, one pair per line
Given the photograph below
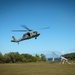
54, 55
64, 60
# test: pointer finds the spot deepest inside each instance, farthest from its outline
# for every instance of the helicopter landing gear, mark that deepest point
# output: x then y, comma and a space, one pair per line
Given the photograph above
35, 37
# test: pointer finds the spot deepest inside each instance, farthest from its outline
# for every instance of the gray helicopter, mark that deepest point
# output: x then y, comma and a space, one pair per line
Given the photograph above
28, 35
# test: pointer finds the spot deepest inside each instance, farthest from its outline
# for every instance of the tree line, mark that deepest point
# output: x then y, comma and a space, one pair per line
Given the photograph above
14, 57
70, 56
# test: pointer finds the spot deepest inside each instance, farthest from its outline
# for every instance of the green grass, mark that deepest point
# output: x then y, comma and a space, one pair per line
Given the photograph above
39, 68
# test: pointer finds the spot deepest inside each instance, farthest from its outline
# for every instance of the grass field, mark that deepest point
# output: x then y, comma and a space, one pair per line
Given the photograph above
39, 68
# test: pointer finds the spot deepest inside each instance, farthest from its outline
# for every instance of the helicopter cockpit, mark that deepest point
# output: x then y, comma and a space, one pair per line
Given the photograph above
36, 33
26, 35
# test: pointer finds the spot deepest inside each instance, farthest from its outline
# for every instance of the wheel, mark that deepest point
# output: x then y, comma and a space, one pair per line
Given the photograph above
35, 37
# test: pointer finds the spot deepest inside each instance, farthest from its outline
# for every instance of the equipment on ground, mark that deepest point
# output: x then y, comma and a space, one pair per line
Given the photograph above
64, 60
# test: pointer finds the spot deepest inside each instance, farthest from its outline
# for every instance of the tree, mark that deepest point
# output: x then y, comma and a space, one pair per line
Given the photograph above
17, 57
6, 58
23, 58
27, 58
70, 56
14, 56
37, 58
43, 57
1, 57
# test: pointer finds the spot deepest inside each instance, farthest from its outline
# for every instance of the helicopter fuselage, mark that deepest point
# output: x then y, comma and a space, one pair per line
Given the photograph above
26, 36
30, 34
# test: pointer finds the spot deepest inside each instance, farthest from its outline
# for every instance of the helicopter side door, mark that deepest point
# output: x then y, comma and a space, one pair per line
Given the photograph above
27, 35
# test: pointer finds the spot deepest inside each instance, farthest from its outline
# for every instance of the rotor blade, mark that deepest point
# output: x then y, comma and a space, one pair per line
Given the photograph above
44, 28
24, 26
19, 30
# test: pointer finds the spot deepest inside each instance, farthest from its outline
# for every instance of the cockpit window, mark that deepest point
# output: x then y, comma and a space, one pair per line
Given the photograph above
28, 34
34, 32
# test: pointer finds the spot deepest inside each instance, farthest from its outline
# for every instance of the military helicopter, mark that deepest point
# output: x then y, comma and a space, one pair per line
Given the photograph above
28, 35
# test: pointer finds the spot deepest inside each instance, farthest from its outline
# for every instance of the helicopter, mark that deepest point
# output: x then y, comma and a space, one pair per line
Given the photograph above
28, 35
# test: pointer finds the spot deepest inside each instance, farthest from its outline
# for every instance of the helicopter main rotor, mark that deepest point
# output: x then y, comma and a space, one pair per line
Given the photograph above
24, 26
27, 29
22, 30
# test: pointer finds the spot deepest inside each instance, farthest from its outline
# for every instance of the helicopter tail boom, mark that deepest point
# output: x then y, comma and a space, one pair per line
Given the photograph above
14, 40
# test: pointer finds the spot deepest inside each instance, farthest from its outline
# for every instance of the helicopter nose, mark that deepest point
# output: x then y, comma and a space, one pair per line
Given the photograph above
38, 34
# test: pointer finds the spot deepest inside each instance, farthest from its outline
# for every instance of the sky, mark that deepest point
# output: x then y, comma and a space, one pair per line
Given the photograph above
59, 15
